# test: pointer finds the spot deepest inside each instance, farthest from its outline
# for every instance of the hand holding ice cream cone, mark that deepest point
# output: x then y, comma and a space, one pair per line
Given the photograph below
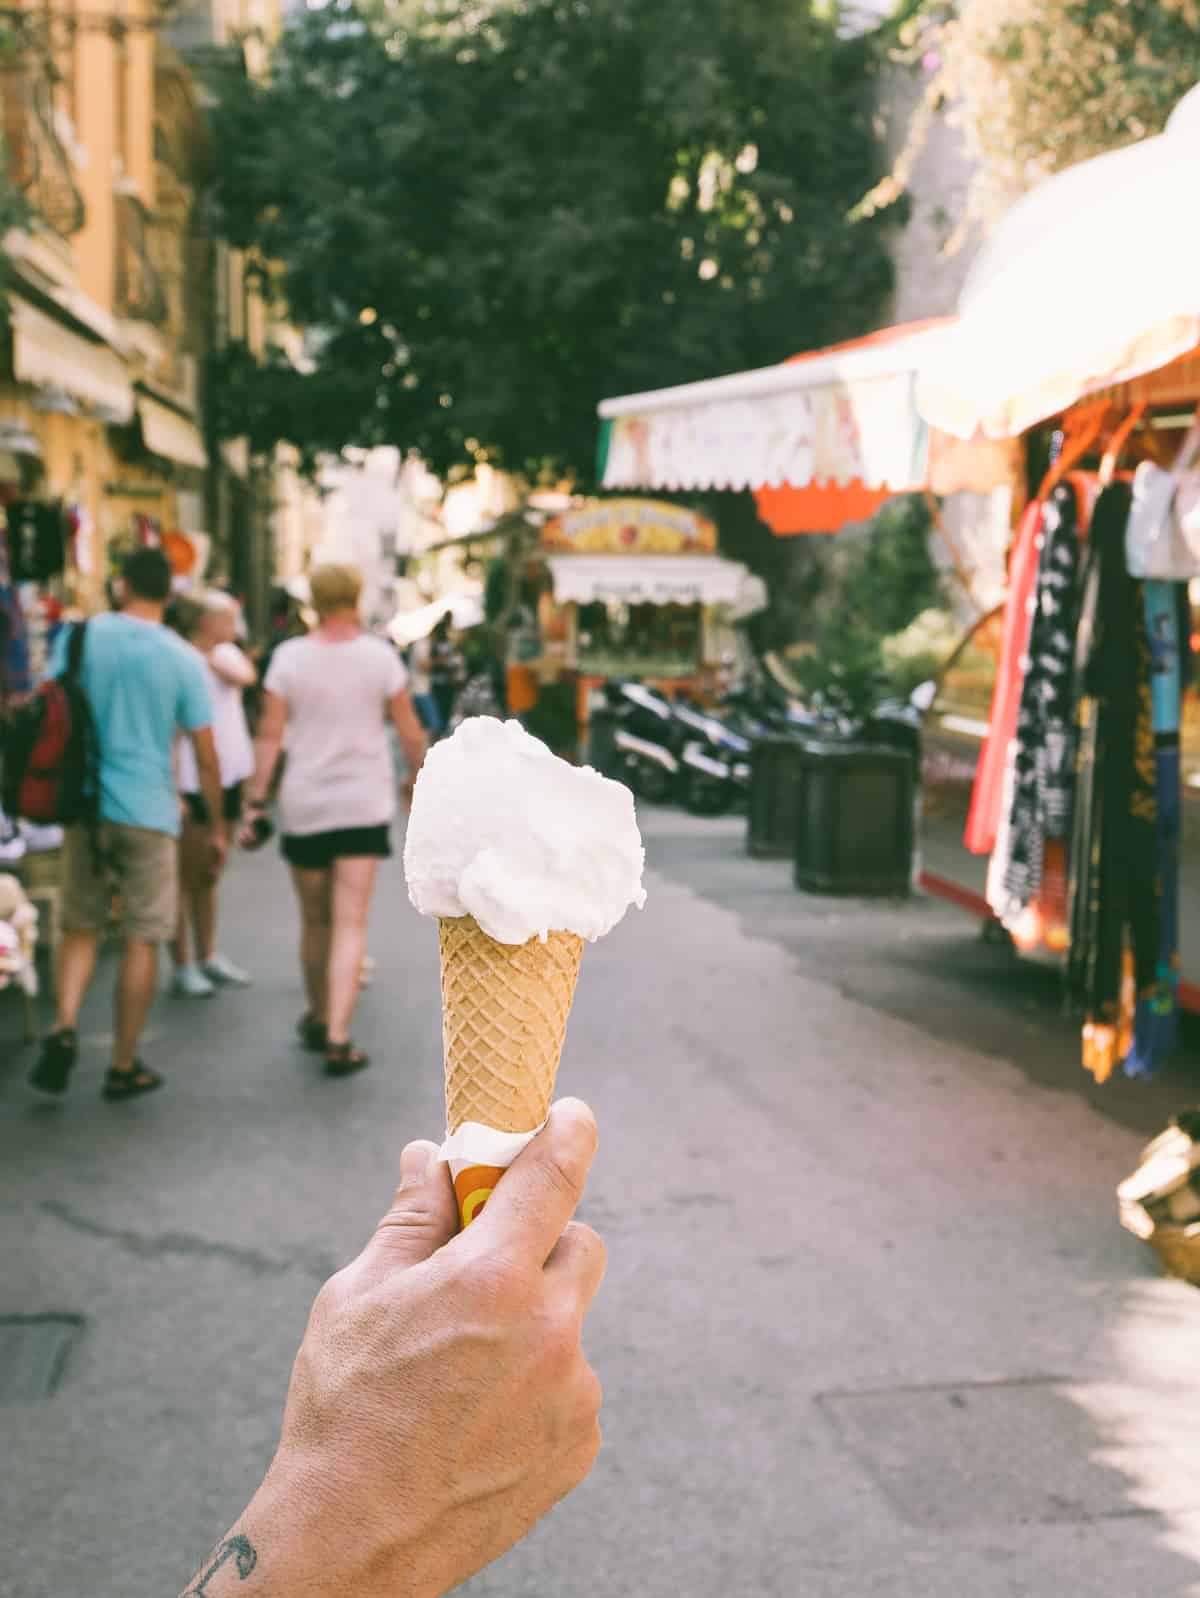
522, 858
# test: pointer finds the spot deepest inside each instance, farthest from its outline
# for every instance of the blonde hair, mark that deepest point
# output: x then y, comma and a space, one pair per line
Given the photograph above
335, 588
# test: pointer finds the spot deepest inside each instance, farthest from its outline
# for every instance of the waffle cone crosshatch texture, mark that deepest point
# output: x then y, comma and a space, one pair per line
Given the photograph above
504, 1016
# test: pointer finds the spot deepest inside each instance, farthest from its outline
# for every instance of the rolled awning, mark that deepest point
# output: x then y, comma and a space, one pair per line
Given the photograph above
646, 579
165, 432
823, 439
839, 415
47, 355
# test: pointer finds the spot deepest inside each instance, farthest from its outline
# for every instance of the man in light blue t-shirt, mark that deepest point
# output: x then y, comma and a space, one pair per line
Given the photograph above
144, 686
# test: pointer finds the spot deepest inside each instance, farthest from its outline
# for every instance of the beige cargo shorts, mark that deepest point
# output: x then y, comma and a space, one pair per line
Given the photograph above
136, 865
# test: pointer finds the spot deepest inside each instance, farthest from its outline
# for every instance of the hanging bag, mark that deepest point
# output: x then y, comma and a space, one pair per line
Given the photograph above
1162, 536
49, 751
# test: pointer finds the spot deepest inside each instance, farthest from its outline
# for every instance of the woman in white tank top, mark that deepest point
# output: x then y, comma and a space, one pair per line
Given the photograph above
330, 700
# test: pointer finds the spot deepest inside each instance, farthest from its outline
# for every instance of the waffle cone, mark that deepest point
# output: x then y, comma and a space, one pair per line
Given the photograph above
504, 1016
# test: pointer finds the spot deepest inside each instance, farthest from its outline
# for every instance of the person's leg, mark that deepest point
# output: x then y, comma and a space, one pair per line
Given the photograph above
76, 966
194, 887
86, 896
204, 918
147, 867
136, 984
353, 885
313, 894
218, 967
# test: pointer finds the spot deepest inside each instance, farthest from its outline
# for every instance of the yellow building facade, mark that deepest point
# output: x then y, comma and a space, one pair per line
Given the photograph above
117, 293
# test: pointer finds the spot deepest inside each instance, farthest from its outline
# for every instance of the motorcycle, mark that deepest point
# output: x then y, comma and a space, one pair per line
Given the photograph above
668, 752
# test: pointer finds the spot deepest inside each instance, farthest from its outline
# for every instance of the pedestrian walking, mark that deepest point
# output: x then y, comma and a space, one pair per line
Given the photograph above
210, 626
420, 671
331, 697
484, 692
144, 686
446, 670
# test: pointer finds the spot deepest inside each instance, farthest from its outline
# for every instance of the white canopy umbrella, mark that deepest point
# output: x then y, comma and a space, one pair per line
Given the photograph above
1091, 280
465, 610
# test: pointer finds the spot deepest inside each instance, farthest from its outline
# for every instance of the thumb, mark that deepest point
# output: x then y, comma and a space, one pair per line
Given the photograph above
423, 1214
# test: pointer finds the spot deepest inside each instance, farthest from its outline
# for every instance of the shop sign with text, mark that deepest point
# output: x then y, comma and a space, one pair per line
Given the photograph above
631, 527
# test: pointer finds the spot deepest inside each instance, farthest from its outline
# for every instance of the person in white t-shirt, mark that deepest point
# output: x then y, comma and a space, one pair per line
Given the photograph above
330, 699
210, 624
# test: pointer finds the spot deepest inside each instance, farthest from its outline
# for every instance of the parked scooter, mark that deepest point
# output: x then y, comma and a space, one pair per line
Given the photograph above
668, 752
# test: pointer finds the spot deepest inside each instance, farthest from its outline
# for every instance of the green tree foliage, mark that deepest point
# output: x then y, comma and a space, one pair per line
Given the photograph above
886, 581
1041, 84
492, 216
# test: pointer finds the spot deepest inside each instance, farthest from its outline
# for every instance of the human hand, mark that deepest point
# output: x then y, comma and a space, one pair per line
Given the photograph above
441, 1403
218, 851
407, 790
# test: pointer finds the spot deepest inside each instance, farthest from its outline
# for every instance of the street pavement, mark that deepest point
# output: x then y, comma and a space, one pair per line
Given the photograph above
870, 1326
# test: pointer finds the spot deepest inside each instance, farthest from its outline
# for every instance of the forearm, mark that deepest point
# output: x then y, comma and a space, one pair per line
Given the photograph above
266, 757
209, 774
415, 746
281, 1547
410, 732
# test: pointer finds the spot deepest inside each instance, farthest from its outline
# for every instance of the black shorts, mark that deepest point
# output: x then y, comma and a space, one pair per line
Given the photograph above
316, 851
231, 805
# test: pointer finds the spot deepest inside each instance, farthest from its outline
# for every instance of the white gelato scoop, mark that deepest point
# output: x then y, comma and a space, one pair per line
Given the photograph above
505, 831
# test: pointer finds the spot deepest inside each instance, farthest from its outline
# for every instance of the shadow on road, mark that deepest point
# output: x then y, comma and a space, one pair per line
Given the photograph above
921, 961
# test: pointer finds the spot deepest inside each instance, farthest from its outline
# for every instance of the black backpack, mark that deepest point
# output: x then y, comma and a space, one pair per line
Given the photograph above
50, 753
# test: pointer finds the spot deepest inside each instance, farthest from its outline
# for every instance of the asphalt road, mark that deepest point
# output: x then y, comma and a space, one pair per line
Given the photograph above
870, 1327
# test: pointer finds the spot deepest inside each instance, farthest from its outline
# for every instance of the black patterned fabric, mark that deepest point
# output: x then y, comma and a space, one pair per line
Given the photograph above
1044, 749
1114, 886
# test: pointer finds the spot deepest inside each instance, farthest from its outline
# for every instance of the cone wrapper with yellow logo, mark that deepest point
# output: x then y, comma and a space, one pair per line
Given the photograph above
504, 1016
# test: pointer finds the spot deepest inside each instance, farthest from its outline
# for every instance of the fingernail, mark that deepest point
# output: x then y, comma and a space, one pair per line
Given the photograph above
415, 1163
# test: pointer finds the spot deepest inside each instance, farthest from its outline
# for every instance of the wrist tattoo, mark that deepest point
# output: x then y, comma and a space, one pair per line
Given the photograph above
239, 1549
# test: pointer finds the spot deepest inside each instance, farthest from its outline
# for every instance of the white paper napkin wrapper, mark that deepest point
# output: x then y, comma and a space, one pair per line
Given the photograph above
475, 1147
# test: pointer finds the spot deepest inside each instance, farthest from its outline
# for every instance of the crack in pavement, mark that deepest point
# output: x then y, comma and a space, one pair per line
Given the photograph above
187, 1244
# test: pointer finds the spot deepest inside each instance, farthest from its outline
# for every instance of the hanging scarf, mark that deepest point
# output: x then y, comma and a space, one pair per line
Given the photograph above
991, 795
1044, 744
1156, 1025
1114, 894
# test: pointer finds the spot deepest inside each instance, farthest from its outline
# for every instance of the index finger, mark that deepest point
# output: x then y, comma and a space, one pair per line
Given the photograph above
534, 1201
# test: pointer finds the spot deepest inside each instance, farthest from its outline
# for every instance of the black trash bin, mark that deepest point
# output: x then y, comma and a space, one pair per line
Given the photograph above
774, 785
854, 819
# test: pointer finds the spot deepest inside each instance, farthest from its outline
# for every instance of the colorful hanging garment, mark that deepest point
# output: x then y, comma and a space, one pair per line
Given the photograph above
1044, 742
1114, 890
1156, 1024
988, 798
16, 679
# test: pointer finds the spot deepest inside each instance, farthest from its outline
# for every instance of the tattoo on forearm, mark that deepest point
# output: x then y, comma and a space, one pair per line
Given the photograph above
238, 1548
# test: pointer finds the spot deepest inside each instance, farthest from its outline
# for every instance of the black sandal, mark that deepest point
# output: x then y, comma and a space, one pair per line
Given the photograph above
312, 1033
131, 1084
59, 1053
343, 1059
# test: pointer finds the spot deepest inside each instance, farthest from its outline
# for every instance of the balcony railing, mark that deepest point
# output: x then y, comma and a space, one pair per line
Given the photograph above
139, 288
37, 161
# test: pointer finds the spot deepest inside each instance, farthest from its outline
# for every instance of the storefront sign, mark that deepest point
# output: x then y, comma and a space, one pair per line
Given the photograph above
631, 527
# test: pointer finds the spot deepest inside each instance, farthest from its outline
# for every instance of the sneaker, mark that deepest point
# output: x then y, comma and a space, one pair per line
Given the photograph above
221, 970
55, 1064
39, 839
191, 983
12, 844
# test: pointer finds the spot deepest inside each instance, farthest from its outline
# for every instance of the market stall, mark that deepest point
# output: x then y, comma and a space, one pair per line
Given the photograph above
630, 588
1081, 320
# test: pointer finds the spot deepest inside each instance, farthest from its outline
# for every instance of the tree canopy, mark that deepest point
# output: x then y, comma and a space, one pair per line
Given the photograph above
490, 216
